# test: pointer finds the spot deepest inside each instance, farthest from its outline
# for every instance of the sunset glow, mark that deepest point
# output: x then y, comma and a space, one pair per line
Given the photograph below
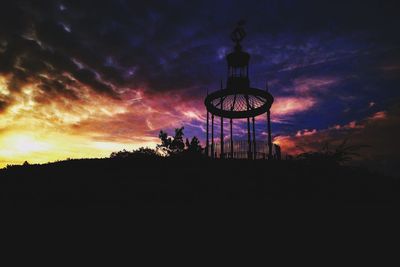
85, 79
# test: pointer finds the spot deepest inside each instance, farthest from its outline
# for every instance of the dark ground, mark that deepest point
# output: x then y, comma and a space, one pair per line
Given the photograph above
177, 182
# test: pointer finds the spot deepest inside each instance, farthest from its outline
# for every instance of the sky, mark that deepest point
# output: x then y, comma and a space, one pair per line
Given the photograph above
86, 78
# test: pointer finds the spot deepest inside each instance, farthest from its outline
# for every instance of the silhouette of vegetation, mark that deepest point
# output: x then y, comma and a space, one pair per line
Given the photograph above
170, 146
142, 152
175, 182
329, 154
194, 146
143, 177
175, 147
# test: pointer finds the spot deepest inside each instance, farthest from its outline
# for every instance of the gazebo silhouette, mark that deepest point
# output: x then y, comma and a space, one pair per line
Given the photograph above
238, 101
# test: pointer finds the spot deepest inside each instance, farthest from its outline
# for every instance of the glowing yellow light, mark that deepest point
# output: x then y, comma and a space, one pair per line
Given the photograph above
3, 87
45, 132
47, 146
27, 144
108, 146
28, 91
21, 144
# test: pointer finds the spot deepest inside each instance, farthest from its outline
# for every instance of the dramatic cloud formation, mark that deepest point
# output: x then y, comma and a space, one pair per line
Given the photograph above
85, 78
380, 153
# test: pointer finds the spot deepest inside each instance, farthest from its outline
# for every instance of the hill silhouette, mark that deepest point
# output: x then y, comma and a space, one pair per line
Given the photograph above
178, 173
128, 182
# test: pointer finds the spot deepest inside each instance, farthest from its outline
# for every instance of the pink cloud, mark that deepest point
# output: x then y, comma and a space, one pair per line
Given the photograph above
144, 115
381, 115
351, 125
304, 86
306, 132
284, 106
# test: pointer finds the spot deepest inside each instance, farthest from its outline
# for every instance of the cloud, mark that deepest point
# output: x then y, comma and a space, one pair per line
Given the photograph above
313, 85
381, 115
378, 132
286, 106
3, 106
306, 132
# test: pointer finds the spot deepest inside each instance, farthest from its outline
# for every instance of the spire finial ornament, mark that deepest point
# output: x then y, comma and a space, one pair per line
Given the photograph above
238, 33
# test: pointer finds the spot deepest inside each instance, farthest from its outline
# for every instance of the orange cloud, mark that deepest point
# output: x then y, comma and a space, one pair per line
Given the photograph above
288, 144
42, 128
95, 124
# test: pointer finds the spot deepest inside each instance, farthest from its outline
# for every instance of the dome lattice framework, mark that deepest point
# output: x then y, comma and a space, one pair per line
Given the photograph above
239, 104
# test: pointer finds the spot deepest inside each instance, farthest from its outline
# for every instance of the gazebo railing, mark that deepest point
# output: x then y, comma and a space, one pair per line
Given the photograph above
241, 150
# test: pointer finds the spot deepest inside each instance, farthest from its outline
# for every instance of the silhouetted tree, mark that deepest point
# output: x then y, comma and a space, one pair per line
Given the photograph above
169, 145
194, 145
175, 146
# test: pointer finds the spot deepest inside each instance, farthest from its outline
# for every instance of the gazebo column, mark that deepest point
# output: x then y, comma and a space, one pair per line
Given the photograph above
222, 138
248, 139
222, 130
212, 136
207, 141
269, 135
231, 140
249, 156
254, 140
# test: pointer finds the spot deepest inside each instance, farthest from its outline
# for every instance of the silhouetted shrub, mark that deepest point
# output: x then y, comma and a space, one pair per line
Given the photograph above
333, 155
142, 152
121, 154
